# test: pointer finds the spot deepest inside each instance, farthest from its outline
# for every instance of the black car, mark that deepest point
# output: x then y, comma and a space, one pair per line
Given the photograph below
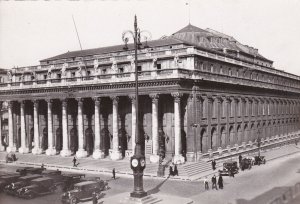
84, 191
246, 163
37, 187
70, 180
258, 160
29, 170
8, 179
229, 168
13, 188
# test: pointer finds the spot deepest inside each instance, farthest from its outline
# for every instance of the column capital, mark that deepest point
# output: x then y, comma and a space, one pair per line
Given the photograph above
9, 104
49, 100
80, 101
176, 95
154, 97
132, 98
190, 98
64, 102
115, 99
35, 103
97, 100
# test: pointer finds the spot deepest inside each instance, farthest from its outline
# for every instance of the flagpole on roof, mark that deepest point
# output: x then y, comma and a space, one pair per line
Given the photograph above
78, 41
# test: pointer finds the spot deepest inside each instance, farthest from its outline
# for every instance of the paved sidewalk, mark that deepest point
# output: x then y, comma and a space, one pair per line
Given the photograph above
188, 172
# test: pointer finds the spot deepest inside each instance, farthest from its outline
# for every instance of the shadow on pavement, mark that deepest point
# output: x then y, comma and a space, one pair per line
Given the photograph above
156, 188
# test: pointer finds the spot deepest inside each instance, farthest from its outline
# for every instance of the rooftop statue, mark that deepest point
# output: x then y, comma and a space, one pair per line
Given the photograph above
114, 67
96, 64
63, 69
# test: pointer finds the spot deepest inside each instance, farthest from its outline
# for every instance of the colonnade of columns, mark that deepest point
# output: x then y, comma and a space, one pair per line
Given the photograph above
114, 152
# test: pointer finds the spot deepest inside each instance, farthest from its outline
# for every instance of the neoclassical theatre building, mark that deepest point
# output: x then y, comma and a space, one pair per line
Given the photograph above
200, 91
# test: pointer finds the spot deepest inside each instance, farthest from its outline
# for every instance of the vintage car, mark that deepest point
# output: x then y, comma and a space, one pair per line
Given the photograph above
30, 170
70, 180
84, 191
8, 179
229, 168
246, 163
37, 187
258, 160
13, 188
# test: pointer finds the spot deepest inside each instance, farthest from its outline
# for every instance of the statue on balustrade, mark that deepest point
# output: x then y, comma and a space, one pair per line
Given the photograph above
176, 60
114, 67
49, 73
96, 66
9, 76
132, 64
154, 63
63, 70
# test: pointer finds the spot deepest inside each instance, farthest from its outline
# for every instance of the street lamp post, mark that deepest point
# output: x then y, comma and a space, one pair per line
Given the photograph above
137, 161
258, 141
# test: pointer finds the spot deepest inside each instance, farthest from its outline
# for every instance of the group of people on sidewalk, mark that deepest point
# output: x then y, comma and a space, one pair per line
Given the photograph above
214, 182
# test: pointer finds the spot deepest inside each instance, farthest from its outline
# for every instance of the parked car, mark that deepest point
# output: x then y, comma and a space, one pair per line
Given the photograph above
37, 187
13, 188
51, 172
246, 163
84, 191
8, 179
70, 180
30, 170
229, 168
258, 160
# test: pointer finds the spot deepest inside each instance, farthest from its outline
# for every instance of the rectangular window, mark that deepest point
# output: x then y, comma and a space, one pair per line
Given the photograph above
158, 66
88, 73
103, 71
121, 70
139, 68
58, 76
45, 76
73, 74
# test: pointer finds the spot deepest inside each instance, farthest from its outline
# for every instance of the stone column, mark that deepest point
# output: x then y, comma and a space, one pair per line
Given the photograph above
36, 149
133, 123
98, 153
115, 154
65, 148
51, 149
23, 149
178, 158
81, 151
154, 158
1, 145
11, 147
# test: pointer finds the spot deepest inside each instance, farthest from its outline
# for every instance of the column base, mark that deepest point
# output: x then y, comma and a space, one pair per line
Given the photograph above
65, 153
178, 159
11, 149
115, 155
23, 150
51, 152
2, 148
81, 153
37, 151
154, 158
98, 154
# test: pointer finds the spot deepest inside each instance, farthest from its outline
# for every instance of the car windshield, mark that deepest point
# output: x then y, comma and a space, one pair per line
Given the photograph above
77, 188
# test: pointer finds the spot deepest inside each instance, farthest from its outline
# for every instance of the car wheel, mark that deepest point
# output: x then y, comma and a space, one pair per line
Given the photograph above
73, 200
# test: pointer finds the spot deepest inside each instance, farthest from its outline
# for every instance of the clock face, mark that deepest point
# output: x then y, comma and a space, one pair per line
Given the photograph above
142, 162
134, 162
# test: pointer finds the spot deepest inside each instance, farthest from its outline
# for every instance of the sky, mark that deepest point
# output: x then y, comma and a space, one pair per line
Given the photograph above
34, 30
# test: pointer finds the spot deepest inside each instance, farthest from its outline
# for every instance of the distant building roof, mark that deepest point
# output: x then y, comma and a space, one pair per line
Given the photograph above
189, 35
116, 48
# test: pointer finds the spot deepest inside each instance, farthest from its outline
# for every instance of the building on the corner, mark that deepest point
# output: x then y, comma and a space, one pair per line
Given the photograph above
201, 92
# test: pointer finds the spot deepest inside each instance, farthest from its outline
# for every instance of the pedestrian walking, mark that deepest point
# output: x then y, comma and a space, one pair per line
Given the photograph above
220, 181
74, 162
114, 174
171, 173
213, 164
240, 158
206, 187
214, 182
175, 170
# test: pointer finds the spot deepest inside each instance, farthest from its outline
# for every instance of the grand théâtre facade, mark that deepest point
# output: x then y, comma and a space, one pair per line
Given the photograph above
200, 91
